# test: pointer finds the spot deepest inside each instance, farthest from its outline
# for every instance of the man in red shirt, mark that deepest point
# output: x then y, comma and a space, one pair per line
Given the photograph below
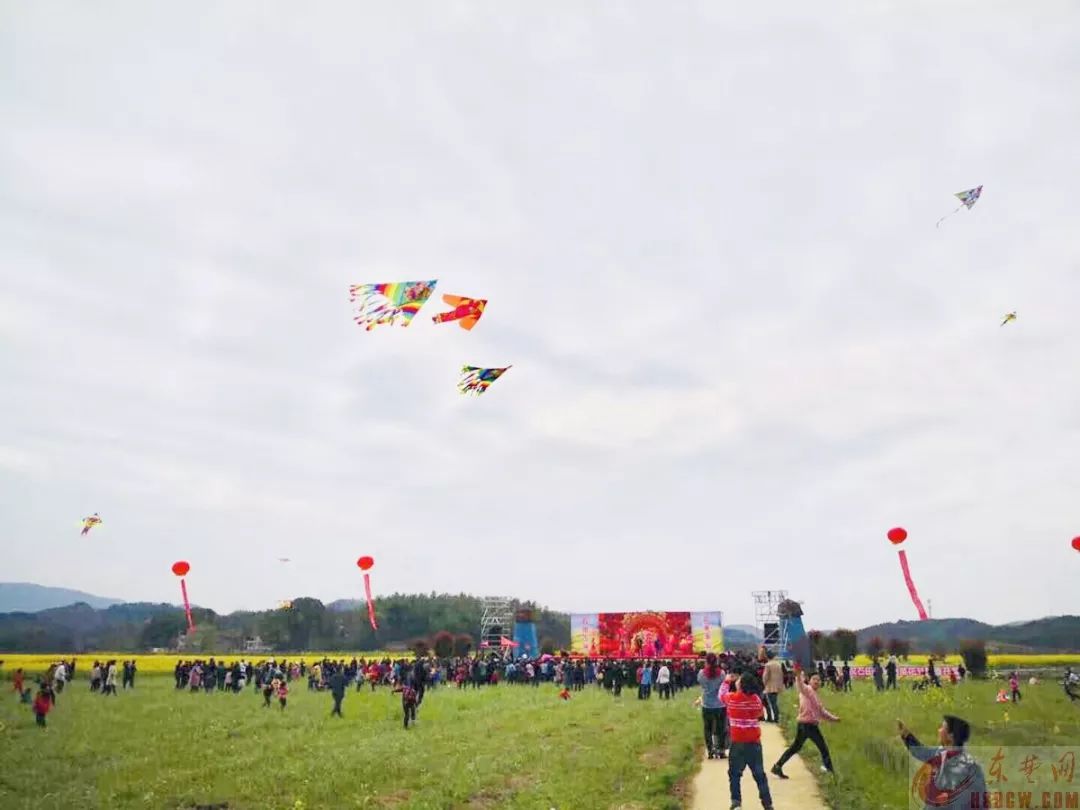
744, 713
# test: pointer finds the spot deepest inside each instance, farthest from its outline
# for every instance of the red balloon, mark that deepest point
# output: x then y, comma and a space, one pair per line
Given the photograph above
180, 568
897, 536
1076, 543
365, 563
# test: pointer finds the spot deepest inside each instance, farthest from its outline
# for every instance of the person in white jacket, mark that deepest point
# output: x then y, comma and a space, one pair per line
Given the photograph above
663, 681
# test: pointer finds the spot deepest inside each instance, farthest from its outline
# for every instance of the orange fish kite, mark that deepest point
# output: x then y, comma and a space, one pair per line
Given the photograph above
466, 311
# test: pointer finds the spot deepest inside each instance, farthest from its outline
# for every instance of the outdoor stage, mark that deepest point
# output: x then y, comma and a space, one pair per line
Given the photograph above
646, 634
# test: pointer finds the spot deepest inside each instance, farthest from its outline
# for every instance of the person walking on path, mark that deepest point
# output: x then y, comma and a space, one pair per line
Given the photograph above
713, 713
811, 713
744, 711
774, 685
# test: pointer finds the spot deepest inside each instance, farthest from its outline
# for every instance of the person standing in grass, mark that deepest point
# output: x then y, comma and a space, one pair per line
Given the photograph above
954, 780
713, 713
745, 711
811, 713
42, 705
879, 680
17, 679
337, 691
282, 694
663, 681
890, 672
110, 679
1014, 687
845, 676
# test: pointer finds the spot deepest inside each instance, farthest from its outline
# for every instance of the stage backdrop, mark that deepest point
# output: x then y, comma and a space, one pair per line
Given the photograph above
649, 634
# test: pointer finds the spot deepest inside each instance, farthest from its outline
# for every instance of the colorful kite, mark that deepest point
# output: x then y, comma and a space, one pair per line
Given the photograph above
967, 200
386, 303
365, 564
180, 568
896, 537
90, 522
466, 311
1010, 317
475, 380
1076, 543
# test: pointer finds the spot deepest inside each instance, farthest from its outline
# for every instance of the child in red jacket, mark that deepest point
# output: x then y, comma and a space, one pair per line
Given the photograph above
283, 695
42, 704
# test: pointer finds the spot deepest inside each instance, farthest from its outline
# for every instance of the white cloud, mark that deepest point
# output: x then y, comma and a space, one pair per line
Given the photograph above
741, 349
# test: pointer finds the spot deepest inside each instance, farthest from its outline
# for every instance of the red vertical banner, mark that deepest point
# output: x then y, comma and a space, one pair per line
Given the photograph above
180, 568
370, 602
187, 606
365, 564
911, 586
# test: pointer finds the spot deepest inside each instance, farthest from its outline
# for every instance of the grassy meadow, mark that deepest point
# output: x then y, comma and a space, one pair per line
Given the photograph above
499, 747
873, 765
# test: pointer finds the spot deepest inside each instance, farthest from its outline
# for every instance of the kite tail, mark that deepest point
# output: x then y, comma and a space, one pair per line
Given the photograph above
85, 530
947, 216
370, 602
911, 586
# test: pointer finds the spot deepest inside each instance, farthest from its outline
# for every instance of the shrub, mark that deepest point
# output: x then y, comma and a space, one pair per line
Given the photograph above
974, 655
443, 644
874, 647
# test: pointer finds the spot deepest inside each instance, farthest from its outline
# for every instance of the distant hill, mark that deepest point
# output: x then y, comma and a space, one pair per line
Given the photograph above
742, 633
25, 597
1052, 634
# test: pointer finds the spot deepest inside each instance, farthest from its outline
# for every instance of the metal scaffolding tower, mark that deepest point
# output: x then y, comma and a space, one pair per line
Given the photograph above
773, 631
496, 621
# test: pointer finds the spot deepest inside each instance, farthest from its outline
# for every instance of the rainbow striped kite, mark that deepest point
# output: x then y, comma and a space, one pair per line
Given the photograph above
385, 303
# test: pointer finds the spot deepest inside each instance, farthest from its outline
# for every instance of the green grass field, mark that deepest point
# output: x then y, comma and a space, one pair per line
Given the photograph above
501, 747
872, 763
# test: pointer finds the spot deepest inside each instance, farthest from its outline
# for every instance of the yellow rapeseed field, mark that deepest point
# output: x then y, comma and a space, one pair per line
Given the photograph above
164, 663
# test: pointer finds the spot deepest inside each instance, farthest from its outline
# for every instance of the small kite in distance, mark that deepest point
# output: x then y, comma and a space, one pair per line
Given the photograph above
90, 522
466, 311
475, 380
967, 200
386, 303
285, 604
1010, 317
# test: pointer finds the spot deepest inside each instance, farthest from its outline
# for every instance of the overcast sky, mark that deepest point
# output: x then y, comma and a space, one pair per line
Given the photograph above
741, 349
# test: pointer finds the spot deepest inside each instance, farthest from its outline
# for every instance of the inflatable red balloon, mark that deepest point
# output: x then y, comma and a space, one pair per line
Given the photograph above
897, 536
180, 568
365, 563
1076, 543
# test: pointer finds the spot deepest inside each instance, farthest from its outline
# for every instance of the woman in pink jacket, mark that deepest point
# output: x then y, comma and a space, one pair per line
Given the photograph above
811, 713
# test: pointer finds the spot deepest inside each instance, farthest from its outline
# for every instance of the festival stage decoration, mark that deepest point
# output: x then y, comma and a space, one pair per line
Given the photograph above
646, 634
365, 564
181, 568
789, 613
967, 200
896, 537
525, 632
1010, 317
90, 522
386, 303
475, 380
466, 311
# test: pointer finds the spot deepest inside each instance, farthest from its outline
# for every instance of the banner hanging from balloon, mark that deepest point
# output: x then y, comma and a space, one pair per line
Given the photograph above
365, 564
896, 537
180, 569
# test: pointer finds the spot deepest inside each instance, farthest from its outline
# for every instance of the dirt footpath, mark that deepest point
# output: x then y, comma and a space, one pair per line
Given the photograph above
800, 792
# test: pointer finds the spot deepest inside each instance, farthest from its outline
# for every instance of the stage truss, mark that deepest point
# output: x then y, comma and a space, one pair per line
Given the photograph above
497, 620
766, 618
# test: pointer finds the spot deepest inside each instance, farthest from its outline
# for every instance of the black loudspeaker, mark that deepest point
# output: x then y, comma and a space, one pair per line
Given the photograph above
772, 633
